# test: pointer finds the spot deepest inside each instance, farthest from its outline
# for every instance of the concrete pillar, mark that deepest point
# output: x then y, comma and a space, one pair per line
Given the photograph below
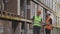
27, 28
54, 31
18, 29
7, 27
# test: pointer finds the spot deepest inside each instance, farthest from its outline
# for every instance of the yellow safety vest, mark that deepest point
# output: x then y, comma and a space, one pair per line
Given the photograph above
37, 21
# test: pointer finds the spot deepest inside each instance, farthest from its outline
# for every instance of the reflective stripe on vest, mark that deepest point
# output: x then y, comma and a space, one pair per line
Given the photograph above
37, 21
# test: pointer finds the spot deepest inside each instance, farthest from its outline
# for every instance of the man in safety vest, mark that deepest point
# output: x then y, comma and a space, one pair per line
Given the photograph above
48, 26
37, 22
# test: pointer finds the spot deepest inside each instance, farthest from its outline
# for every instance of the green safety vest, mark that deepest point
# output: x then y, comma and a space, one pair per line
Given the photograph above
37, 21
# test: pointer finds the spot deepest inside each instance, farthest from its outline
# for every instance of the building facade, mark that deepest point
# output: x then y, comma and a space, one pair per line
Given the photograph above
27, 11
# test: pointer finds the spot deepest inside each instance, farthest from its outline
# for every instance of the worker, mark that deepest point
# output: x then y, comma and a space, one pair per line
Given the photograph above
48, 26
36, 23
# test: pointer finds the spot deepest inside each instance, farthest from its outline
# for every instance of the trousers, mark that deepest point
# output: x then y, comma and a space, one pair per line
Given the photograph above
47, 31
36, 30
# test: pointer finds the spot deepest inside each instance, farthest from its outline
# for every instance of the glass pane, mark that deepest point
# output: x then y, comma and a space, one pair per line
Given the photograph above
54, 0
42, 1
32, 9
48, 2
51, 4
58, 1
35, 9
59, 21
54, 6
22, 8
55, 20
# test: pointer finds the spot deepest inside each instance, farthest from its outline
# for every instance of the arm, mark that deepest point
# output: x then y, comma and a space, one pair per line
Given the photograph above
41, 21
49, 22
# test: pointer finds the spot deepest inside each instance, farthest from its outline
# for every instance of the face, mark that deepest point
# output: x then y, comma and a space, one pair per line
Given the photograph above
47, 15
39, 12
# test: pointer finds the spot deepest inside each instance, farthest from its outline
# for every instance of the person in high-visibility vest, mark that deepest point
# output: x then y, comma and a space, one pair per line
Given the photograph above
37, 22
48, 26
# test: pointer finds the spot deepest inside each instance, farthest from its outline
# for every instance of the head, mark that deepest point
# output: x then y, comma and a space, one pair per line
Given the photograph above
48, 15
38, 12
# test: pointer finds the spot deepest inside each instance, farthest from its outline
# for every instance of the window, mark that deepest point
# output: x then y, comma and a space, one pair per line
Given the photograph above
54, 0
55, 20
36, 9
32, 9
42, 1
58, 1
57, 9
54, 7
4, 4
59, 21
1, 5
51, 2
22, 12
48, 2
